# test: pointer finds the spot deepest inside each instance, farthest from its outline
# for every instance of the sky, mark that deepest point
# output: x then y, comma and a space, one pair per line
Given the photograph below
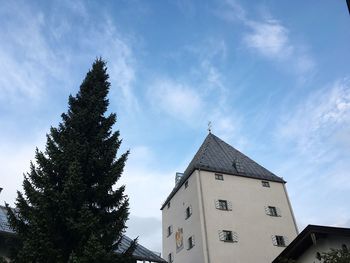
273, 77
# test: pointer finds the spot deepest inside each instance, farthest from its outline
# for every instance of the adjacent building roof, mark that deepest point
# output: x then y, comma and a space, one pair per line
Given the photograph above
140, 252
215, 155
307, 238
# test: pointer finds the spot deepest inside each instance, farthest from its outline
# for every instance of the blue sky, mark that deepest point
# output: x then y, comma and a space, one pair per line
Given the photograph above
273, 77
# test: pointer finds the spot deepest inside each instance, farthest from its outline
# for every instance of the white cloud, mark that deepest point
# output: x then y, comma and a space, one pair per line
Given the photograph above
177, 99
320, 121
270, 39
316, 135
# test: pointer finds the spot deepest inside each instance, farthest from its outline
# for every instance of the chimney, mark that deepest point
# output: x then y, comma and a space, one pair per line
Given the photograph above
178, 177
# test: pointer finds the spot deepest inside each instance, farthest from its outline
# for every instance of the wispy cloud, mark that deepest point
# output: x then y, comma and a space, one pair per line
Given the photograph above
268, 37
179, 100
322, 121
316, 134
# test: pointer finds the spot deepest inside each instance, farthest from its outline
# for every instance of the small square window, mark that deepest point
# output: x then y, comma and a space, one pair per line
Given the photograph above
265, 183
170, 257
272, 211
188, 212
280, 241
223, 205
170, 230
227, 235
186, 184
168, 205
190, 242
219, 177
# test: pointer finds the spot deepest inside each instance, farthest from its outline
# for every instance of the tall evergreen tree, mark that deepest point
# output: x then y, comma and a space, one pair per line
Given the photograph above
71, 210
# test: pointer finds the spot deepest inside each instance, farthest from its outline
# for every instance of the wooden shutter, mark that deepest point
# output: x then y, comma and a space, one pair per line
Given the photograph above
221, 235
286, 240
274, 240
234, 237
278, 211
217, 204
229, 205
267, 210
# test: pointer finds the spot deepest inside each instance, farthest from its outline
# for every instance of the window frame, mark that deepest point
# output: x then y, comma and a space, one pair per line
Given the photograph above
221, 206
219, 177
280, 241
273, 211
190, 242
188, 212
228, 236
265, 184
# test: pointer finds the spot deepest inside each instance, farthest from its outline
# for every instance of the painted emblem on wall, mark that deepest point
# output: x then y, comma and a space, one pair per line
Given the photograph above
179, 239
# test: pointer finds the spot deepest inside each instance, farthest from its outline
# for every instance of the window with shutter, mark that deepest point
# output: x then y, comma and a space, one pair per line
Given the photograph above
273, 211
279, 241
190, 242
223, 205
228, 236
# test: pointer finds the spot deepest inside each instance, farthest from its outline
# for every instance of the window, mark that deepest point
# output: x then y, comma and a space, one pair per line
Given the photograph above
170, 257
188, 212
272, 211
219, 177
190, 242
168, 205
170, 230
223, 205
279, 241
186, 184
228, 236
265, 183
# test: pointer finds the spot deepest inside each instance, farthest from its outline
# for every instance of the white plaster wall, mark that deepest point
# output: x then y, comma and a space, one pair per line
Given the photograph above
247, 218
323, 245
175, 216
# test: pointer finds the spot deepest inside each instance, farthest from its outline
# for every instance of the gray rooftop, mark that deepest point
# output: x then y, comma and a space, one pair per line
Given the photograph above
215, 155
140, 252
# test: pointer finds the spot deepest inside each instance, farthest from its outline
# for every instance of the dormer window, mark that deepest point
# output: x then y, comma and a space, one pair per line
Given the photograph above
219, 177
265, 183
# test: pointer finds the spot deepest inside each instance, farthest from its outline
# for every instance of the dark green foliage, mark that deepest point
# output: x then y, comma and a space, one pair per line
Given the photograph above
341, 255
69, 211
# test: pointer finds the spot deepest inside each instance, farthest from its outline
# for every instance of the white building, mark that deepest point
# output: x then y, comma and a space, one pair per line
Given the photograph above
226, 208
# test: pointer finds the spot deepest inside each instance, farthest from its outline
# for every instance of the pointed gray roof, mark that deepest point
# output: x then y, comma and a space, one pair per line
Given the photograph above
215, 155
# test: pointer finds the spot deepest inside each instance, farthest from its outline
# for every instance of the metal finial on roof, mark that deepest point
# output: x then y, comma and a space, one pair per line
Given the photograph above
209, 126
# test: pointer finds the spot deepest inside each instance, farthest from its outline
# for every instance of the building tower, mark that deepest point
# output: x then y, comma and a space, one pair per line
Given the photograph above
226, 208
